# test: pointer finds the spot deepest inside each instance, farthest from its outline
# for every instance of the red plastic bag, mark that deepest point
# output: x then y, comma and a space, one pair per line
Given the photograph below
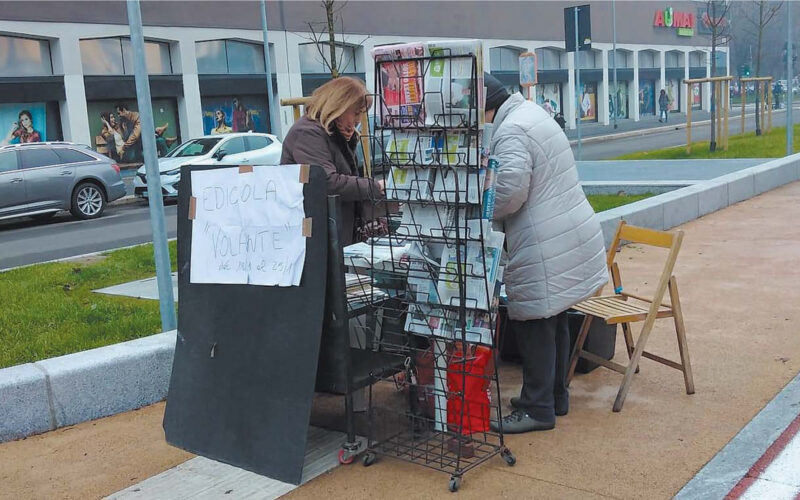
474, 373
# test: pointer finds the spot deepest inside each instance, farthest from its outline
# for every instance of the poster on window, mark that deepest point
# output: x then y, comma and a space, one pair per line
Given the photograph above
23, 122
548, 96
620, 107
588, 102
674, 94
647, 97
116, 131
225, 115
697, 96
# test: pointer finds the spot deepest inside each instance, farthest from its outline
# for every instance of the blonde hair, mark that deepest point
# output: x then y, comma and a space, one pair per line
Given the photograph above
333, 99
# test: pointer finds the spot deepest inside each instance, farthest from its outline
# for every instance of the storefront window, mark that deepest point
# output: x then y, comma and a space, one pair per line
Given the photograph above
648, 59
24, 57
504, 59
647, 97
673, 60
227, 114
623, 59
311, 60
548, 96
23, 122
231, 57
697, 59
589, 59
549, 58
114, 56
620, 107
588, 102
118, 134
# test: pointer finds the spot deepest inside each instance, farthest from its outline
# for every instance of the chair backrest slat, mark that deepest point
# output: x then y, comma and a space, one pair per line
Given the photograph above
646, 236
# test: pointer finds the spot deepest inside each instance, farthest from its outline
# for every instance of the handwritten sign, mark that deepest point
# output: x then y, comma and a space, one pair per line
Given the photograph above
248, 226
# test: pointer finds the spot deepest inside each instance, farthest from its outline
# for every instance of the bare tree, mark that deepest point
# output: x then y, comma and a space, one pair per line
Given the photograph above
715, 20
757, 19
323, 35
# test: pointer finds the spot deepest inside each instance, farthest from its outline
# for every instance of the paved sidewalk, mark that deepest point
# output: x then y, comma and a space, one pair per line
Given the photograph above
739, 276
590, 129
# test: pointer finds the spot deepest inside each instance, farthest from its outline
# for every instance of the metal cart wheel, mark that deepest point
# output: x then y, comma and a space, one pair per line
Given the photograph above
369, 459
508, 456
455, 483
346, 457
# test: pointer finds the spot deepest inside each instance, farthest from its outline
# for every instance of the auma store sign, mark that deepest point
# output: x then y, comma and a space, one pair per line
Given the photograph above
684, 22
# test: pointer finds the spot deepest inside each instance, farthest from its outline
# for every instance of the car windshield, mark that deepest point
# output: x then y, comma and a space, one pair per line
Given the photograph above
195, 147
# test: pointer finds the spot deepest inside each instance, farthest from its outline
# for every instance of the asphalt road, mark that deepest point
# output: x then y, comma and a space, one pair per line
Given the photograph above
26, 241
616, 147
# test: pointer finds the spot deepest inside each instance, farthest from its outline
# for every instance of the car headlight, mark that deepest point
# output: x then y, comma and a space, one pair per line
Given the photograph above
174, 171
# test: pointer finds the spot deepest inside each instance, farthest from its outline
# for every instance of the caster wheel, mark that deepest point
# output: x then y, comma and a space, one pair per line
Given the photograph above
508, 456
455, 483
346, 457
369, 459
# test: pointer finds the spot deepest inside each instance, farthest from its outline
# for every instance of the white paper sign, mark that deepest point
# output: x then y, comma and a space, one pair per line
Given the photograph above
248, 227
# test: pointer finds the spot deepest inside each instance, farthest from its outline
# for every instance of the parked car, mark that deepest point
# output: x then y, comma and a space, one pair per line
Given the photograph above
39, 179
229, 149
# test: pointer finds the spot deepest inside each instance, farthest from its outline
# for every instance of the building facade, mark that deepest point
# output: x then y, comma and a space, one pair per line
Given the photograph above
69, 64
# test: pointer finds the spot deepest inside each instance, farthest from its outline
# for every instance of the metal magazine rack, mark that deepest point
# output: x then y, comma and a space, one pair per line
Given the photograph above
433, 280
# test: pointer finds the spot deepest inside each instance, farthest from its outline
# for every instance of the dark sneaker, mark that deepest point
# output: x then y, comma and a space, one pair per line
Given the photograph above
519, 421
562, 408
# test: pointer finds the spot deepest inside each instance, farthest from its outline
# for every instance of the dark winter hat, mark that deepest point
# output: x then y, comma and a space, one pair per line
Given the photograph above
496, 93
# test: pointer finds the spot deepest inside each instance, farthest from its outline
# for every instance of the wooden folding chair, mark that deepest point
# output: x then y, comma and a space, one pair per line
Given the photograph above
626, 308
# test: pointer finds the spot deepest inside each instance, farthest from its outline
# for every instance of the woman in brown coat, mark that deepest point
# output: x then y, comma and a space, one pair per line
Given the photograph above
326, 136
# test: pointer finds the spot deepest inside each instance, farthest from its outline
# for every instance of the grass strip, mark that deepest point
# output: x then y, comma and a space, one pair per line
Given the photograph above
50, 310
768, 145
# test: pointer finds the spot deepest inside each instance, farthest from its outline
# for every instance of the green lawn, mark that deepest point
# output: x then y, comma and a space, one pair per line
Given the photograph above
601, 202
769, 145
49, 309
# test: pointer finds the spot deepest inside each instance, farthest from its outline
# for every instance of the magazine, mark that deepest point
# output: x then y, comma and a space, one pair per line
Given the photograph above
454, 149
479, 266
409, 184
450, 98
466, 182
438, 221
401, 84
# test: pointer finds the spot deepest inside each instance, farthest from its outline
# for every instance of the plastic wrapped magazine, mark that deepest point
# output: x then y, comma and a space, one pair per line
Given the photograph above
479, 268
450, 99
467, 182
401, 84
409, 184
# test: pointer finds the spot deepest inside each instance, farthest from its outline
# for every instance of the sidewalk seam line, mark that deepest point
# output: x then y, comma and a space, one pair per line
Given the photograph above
50, 400
517, 474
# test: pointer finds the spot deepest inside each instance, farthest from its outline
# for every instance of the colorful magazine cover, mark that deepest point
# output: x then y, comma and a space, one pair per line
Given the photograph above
401, 84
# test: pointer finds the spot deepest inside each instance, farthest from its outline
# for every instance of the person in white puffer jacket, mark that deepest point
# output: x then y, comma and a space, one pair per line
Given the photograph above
554, 244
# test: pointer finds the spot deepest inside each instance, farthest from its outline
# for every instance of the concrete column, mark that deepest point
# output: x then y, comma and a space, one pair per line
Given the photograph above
570, 112
190, 109
707, 86
662, 79
74, 113
634, 92
685, 92
603, 92
277, 40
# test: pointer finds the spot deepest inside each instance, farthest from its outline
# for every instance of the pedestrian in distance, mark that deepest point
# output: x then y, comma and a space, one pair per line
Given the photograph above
663, 106
555, 250
327, 136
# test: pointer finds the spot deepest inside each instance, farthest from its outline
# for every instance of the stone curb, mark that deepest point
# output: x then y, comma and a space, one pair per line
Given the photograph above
42, 396
57, 392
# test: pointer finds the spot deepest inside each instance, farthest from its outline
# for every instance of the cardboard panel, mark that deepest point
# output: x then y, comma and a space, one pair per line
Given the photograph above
246, 356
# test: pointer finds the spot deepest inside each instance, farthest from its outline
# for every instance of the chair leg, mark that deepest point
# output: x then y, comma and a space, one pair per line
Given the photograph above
635, 358
681, 332
626, 331
573, 362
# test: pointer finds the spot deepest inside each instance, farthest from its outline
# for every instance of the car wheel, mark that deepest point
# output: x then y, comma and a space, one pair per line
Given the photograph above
88, 201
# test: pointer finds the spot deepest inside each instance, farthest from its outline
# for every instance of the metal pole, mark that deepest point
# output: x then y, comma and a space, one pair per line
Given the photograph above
274, 124
160, 249
614, 58
789, 80
577, 85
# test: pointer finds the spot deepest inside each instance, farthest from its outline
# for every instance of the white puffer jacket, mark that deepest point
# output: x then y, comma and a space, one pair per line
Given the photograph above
556, 254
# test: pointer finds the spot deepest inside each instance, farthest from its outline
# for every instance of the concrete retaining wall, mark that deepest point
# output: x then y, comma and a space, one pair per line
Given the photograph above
45, 395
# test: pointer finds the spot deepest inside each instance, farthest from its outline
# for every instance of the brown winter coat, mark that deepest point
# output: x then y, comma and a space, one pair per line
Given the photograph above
307, 142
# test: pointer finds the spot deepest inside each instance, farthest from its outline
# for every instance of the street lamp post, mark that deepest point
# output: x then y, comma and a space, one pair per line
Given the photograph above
274, 125
789, 80
577, 85
160, 249
614, 58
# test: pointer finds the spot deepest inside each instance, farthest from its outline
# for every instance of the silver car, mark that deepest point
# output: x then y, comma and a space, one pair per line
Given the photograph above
240, 148
40, 179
